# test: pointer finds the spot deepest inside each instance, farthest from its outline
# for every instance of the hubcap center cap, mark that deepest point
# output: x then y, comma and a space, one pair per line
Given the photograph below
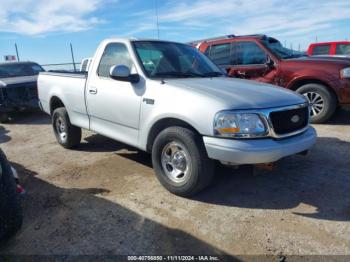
179, 161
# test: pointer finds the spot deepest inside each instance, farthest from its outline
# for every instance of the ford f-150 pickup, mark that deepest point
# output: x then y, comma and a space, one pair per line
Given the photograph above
169, 99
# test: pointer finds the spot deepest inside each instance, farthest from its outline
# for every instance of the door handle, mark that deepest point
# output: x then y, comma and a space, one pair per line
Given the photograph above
93, 91
241, 73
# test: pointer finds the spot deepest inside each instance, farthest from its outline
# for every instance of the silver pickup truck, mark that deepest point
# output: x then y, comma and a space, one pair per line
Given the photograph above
168, 99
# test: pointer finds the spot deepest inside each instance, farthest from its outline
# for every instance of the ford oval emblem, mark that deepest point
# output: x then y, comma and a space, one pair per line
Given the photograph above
295, 119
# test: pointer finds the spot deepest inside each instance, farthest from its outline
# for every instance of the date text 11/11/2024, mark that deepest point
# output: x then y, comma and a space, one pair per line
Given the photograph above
173, 258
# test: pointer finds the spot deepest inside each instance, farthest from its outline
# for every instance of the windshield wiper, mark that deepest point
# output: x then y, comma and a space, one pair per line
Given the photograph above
188, 74
175, 74
207, 74
291, 56
212, 74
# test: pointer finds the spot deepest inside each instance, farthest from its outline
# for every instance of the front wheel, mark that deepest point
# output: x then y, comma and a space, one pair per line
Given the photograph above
180, 161
323, 102
67, 135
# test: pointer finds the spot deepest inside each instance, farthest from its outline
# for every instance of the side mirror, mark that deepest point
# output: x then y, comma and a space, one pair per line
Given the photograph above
269, 62
122, 73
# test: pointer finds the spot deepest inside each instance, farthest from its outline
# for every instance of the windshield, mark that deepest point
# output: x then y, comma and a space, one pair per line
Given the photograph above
280, 51
173, 60
17, 70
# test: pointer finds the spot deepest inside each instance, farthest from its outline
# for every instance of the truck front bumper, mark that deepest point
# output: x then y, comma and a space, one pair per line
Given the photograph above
257, 151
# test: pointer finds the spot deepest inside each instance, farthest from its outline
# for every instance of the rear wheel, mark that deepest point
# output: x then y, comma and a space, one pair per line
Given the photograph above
180, 161
67, 135
323, 102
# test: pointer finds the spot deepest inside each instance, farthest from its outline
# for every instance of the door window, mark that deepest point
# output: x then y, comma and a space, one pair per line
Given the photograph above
321, 50
247, 53
220, 54
114, 54
343, 49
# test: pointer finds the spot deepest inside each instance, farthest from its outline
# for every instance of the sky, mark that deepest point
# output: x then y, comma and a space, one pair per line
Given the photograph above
43, 29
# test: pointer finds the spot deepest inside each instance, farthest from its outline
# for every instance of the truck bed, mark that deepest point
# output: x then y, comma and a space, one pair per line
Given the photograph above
69, 87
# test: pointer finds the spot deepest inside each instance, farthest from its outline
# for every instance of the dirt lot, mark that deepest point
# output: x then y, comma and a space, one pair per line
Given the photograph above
104, 199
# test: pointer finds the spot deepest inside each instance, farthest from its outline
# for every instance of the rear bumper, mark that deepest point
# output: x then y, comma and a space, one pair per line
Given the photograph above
256, 151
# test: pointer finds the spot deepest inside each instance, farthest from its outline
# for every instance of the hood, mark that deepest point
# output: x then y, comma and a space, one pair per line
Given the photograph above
240, 94
330, 60
15, 81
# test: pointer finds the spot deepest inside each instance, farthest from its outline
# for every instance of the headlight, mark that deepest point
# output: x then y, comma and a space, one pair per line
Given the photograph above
230, 124
345, 73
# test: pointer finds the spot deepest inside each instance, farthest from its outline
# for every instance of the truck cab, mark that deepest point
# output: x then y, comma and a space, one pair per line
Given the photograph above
336, 48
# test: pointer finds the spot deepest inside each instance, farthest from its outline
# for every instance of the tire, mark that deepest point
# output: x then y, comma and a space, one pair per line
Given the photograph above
170, 147
67, 135
318, 95
10, 205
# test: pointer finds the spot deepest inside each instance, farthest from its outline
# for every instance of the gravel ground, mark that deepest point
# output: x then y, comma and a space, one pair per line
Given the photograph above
103, 198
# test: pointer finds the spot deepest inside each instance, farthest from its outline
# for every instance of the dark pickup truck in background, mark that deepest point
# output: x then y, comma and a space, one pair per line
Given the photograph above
18, 87
325, 81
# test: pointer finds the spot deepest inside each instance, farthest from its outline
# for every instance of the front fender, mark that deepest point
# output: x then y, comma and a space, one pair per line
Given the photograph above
307, 76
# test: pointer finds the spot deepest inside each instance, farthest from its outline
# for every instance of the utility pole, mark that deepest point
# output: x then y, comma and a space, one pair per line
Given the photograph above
156, 3
71, 50
316, 39
17, 52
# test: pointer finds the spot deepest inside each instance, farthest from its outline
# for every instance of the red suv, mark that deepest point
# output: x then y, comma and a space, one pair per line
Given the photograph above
340, 48
325, 81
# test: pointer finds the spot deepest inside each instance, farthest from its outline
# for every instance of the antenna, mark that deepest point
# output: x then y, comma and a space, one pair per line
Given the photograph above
156, 4
17, 52
71, 50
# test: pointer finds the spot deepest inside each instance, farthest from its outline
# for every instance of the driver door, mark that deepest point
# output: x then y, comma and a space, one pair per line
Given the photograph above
248, 60
114, 106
